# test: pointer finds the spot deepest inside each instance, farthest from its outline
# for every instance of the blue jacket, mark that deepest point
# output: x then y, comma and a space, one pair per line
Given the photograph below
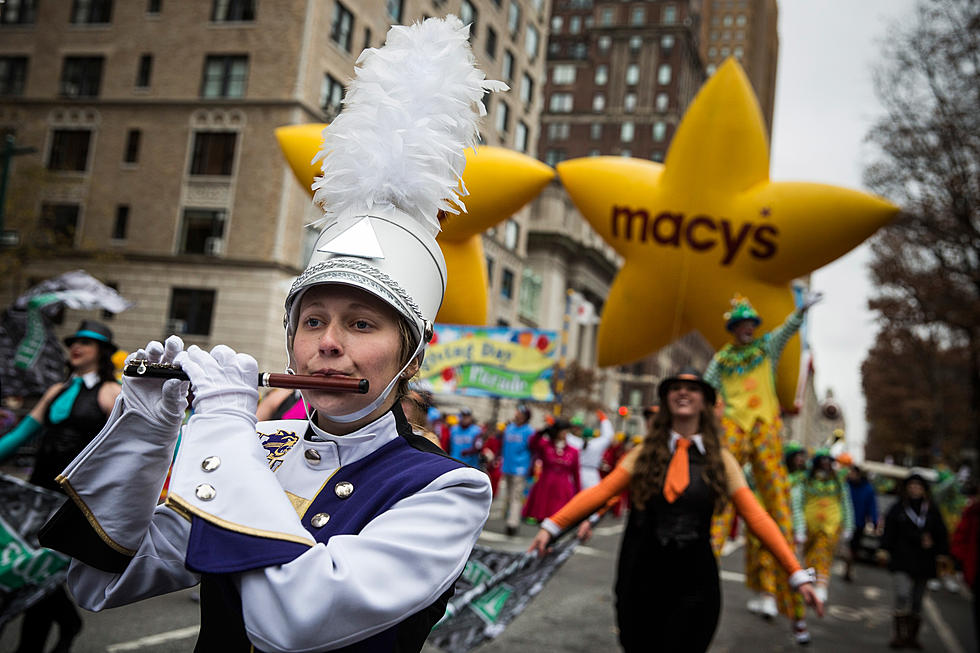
864, 502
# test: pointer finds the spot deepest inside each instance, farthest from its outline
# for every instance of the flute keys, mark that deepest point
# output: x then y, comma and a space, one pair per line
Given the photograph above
343, 489
312, 455
205, 492
210, 463
319, 520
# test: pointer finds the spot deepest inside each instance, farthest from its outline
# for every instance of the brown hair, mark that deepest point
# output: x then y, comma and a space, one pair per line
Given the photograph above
654, 457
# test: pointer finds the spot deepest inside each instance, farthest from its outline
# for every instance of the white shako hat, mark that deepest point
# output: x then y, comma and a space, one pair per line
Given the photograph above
391, 161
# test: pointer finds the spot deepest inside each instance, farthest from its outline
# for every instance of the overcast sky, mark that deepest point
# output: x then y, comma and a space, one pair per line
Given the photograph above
825, 105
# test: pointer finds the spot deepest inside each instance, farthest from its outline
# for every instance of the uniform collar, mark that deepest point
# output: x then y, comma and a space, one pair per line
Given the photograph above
696, 439
90, 379
345, 449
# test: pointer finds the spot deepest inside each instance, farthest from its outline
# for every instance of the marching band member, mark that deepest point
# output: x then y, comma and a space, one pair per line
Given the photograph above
345, 531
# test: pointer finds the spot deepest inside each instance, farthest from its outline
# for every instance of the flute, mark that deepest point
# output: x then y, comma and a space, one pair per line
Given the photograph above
140, 368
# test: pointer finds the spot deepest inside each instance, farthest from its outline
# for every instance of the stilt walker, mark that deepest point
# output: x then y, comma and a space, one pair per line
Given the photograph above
744, 372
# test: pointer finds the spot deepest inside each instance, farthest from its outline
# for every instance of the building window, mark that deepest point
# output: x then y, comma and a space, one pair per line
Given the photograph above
725, 51
342, 26
560, 103
214, 153
224, 76
606, 16
87, 12
18, 12
666, 44
738, 52
710, 69
121, 223
395, 9
636, 44
633, 74
727, 20
512, 234
575, 25
627, 131
69, 150
663, 74
144, 71
740, 20
190, 311
629, 102
507, 69
153, 7
489, 271
61, 220
331, 94
604, 42
563, 74
527, 89
557, 22
367, 38
132, 153
507, 284
232, 10
601, 74
626, 153
520, 137
503, 115
659, 131
486, 104
594, 152
712, 51
658, 156
595, 131
579, 51
531, 42
662, 102
513, 18
468, 14
554, 157
599, 102
13, 75
491, 43
202, 231
558, 131
530, 299
669, 15
81, 76
638, 16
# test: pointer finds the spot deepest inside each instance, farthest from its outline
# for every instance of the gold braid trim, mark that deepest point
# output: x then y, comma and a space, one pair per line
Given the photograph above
90, 516
186, 508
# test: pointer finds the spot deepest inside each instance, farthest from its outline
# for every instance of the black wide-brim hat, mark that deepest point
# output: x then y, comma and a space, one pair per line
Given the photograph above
687, 374
93, 330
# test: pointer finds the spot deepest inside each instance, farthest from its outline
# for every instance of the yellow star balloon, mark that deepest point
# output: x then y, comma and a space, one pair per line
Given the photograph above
709, 223
499, 181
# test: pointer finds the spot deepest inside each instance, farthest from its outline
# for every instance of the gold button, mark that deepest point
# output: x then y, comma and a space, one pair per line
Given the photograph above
312, 455
205, 492
344, 489
319, 520
210, 463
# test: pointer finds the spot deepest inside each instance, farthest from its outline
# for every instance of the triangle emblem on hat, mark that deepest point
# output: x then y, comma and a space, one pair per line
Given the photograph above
357, 240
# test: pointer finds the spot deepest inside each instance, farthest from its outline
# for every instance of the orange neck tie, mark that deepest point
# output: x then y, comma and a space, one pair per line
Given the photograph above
678, 474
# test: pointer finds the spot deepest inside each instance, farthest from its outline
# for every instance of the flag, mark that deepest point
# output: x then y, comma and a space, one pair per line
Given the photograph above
582, 310
495, 587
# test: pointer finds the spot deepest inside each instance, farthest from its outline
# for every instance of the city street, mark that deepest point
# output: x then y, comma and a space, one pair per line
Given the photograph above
574, 612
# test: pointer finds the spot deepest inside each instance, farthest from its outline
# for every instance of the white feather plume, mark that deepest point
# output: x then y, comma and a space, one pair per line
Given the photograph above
409, 114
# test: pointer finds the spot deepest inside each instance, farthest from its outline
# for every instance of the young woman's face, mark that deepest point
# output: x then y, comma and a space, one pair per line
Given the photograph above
83, 355
685, 399
347, 332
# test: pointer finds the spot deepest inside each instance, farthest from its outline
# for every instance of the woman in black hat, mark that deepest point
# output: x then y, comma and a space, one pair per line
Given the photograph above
667, 592
915, 535
68, 416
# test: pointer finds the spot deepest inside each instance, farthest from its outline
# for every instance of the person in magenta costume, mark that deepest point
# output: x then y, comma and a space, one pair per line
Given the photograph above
559, 478
67, 417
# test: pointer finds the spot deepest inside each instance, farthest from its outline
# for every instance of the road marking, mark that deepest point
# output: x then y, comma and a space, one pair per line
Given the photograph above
731, 546
153, 640
732, 576
871, 592
942, 628
604, 531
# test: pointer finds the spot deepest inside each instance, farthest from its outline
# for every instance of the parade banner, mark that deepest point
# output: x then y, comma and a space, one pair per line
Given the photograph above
495, 587
491, 362
27, 571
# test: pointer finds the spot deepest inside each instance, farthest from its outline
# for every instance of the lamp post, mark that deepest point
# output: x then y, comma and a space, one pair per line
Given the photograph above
10, 150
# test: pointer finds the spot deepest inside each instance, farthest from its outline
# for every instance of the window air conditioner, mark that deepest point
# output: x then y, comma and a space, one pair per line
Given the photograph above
176, 327
214, 246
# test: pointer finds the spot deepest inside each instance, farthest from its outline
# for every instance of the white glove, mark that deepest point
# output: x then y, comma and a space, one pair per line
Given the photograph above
847, 534
223, 382
811, 299
161, 401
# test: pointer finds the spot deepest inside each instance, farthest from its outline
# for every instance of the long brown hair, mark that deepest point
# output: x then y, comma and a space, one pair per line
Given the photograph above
654, 457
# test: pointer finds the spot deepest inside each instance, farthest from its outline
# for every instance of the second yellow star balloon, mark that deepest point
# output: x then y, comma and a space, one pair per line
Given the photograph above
499, 182
709, 223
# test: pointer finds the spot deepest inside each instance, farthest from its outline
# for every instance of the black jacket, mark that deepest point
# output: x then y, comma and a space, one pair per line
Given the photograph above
903, 539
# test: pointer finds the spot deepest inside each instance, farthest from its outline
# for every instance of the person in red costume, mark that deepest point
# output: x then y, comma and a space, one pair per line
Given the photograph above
559, 480
676, 479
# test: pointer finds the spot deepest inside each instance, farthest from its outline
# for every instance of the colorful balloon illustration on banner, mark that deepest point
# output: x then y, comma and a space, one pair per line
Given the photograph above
499, 181
709, 223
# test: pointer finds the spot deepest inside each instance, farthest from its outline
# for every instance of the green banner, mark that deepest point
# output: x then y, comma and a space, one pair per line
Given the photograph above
22, 565
33, 342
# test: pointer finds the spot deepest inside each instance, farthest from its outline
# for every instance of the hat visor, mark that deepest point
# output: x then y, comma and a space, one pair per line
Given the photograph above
733, 323
90, 335
706, 388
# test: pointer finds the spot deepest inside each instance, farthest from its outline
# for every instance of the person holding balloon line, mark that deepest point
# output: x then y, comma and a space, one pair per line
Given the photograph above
668, 594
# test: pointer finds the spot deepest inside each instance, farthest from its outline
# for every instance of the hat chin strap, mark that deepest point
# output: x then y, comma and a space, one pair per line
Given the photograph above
371, 407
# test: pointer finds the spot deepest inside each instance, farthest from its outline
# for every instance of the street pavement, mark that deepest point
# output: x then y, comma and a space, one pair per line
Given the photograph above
574, 612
